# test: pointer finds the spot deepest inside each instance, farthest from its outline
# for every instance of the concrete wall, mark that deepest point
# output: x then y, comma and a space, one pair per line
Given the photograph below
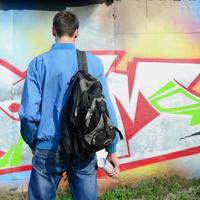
150, 50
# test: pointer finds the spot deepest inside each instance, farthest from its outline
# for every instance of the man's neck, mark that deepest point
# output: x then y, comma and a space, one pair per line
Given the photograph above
65, 39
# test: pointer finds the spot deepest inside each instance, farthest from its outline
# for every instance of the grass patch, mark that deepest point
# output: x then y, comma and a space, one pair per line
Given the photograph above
63, 195
161, 188
13, 195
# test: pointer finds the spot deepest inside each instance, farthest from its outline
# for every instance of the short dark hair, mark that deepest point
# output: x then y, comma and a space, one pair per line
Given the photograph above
65, 22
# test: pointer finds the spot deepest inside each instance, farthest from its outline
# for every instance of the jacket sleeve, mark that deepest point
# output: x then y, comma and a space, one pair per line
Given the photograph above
112, 147
29, 111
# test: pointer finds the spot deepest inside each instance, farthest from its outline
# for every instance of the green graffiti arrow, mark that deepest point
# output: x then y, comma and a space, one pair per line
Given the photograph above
4, 160
168, 91
16, 157
13, 156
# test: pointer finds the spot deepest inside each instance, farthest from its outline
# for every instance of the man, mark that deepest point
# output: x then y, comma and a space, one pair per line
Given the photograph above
45, 86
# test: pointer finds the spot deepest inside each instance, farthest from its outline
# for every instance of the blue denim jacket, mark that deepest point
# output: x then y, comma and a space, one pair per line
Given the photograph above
43, 95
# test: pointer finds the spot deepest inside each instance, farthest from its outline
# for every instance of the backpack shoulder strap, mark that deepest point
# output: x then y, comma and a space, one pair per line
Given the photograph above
82, 60
120, 133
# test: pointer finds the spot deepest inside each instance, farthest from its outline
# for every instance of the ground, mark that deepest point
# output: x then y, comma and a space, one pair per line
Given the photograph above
157, 188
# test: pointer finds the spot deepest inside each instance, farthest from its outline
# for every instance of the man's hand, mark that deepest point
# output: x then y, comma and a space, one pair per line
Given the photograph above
112, 158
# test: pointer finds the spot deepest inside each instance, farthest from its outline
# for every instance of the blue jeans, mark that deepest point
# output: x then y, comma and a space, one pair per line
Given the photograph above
47, 169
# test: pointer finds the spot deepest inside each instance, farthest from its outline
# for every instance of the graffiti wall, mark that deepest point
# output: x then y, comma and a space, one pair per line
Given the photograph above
151, 55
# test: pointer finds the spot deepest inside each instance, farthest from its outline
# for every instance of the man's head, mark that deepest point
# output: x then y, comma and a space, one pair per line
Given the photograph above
65, 23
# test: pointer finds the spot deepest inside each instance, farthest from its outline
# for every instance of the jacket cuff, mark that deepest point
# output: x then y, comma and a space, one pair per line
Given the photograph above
111, 149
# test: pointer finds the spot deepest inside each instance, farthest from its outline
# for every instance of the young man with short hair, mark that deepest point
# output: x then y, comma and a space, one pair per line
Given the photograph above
43, 97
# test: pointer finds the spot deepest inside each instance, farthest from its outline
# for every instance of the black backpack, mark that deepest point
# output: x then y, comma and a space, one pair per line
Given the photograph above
86, 126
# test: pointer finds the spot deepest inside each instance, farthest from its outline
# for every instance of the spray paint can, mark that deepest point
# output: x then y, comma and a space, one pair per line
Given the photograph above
105, 165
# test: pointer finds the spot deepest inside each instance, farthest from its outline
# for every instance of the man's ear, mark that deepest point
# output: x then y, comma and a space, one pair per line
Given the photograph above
76, 33
53, 31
